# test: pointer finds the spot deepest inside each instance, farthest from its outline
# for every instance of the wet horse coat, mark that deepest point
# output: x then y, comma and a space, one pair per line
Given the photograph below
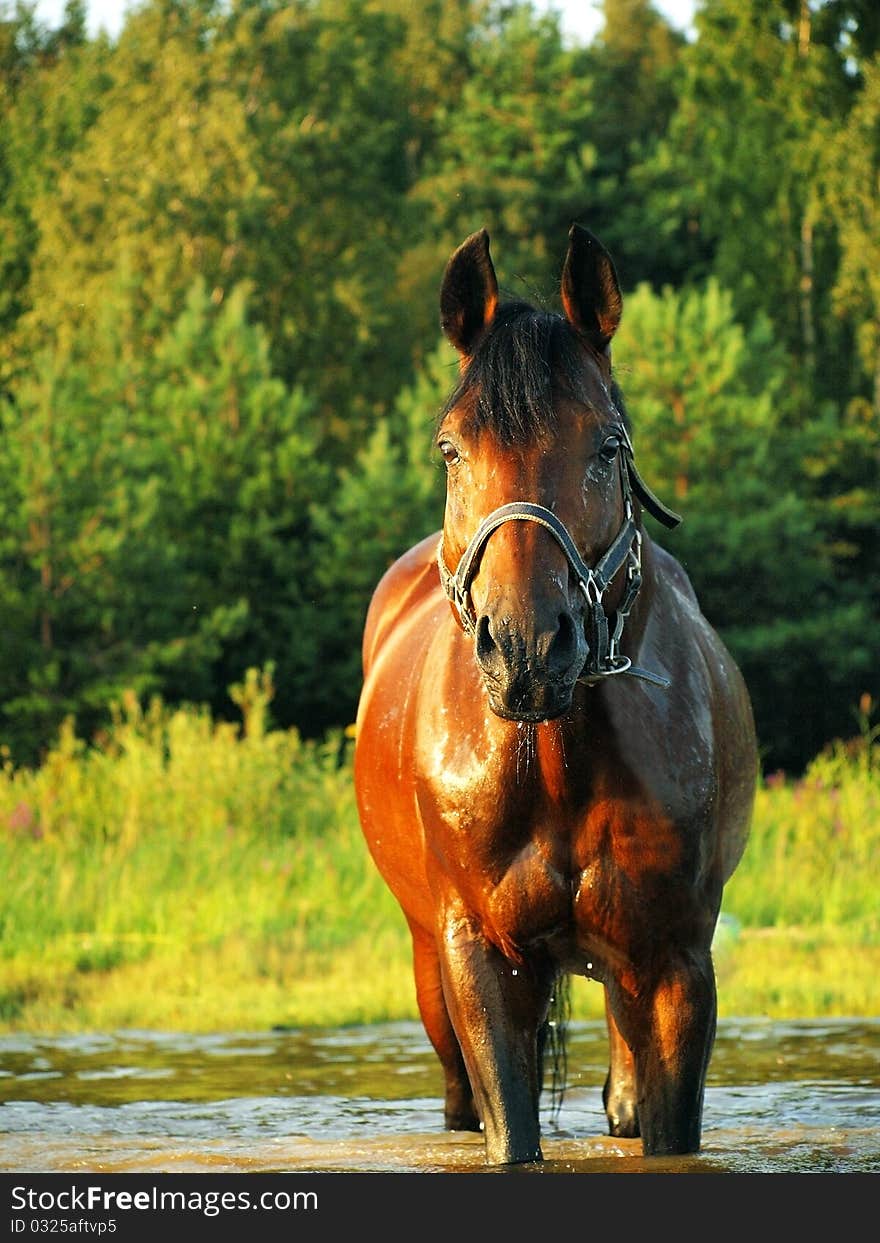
555, 761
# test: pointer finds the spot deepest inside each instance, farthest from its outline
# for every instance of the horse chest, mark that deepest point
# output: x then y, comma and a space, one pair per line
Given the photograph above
539, 863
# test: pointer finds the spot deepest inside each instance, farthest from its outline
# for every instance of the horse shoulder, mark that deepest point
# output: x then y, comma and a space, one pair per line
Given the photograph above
730, 712
407, 582
673, 573
720, 668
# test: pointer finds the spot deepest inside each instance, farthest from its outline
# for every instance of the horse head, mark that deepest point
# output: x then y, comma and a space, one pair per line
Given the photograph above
540, 521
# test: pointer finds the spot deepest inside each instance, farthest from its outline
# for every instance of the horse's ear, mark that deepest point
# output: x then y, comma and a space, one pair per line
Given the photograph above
590, 292
469, 293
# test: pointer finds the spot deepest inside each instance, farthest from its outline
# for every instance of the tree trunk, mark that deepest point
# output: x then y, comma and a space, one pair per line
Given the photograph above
808, 326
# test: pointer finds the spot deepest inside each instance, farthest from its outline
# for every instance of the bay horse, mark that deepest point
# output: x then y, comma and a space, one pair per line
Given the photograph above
555, 758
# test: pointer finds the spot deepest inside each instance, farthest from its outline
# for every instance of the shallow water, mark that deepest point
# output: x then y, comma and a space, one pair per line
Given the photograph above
781, 1097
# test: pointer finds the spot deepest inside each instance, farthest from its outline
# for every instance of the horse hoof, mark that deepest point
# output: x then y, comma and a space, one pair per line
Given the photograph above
624, 1128
462, 1122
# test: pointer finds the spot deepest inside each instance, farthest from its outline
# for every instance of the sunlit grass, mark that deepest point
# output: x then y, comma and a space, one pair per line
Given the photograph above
789, 973
803, 903
185, 874
813, 856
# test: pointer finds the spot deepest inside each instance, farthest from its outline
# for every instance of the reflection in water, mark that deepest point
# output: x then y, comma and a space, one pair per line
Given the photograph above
801, 1096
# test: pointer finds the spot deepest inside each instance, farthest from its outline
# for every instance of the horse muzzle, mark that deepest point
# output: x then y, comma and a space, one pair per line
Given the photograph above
529, 670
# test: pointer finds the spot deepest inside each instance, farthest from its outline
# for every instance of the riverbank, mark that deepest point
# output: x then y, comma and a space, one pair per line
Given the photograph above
183, 875
778, 973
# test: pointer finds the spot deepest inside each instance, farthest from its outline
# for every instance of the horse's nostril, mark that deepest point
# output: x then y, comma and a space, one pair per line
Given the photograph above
565, 639
549, 648
486, 644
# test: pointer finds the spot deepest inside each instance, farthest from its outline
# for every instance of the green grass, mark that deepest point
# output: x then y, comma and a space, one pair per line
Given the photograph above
182, 874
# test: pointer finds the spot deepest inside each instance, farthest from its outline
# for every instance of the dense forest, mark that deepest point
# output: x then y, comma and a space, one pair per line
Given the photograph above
221, 240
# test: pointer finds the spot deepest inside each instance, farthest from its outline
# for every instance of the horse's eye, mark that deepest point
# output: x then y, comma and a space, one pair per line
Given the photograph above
449, 452
609, 448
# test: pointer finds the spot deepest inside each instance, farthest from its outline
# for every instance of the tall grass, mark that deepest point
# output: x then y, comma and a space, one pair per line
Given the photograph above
180, 872
231, 860
813, 857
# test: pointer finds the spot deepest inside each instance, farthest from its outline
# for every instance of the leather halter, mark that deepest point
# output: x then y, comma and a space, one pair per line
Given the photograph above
603, 633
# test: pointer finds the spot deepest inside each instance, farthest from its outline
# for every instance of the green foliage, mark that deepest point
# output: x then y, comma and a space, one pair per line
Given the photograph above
632, 73
72, 522
713, 432
235, 467
511, 152
851, 187
145, 511
152, 191
221, 239
329, 129
51, 82
390, 498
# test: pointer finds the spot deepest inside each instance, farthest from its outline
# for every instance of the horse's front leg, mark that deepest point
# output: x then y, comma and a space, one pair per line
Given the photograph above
669, 1024
460, 1111
496, 1007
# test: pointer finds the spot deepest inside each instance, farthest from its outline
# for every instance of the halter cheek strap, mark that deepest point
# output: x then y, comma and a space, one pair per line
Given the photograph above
602, 633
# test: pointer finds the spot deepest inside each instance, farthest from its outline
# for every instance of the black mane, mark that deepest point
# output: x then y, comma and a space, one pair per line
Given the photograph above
528, 360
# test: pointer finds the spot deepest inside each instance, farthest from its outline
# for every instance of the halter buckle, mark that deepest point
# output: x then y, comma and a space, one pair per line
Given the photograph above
587, 585
614, 664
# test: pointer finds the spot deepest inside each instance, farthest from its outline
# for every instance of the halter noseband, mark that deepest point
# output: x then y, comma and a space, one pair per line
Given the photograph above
603, 638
